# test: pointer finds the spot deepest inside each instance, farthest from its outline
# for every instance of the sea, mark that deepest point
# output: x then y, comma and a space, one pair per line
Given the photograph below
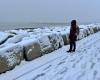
10, 26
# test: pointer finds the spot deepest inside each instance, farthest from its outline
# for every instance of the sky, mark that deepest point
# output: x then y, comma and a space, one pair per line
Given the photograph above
49, 10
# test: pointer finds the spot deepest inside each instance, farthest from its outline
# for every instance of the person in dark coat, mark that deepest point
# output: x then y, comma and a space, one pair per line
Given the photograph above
74, 32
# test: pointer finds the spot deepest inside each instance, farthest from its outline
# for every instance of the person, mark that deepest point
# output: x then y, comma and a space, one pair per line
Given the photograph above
74, 32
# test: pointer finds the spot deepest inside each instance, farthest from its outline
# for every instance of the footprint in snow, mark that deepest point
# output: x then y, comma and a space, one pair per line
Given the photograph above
94, 74
65, 58
92, 65
74, 64
48, 67
37, 76
81, 75
98, 59
60, 63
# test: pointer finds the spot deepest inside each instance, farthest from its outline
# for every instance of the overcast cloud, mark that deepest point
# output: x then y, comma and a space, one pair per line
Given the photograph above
49, 10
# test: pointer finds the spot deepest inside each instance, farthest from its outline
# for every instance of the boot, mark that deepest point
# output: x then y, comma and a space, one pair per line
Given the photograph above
69, 51
73, 50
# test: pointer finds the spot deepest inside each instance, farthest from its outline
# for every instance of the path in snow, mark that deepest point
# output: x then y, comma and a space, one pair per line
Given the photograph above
84, 64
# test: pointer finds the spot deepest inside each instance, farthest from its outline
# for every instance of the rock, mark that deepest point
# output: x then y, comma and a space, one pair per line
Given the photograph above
81, 34
95, 29
4, 37
10, 57
91, 30
85, 32
32, 50
45, 45
98, 28
60, 40
65, 38
54, 41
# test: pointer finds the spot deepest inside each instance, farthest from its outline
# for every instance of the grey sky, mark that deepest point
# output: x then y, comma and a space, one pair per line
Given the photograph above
49, 10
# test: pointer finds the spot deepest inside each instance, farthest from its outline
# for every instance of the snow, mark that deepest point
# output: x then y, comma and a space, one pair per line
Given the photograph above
84, 64
58, 65
21, 34
3, 37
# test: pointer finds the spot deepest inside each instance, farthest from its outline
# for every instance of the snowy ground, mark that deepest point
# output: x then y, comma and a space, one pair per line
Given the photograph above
84, 64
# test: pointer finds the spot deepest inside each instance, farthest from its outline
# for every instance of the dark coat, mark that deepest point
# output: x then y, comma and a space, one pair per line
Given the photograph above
73, 33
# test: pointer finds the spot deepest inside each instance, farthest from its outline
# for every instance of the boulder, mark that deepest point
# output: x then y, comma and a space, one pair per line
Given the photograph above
65, 38
81, 34
10, 57
45, 45
32, 50
54, 41
60, 40
98, 28
85, 32
95, 29
91, 30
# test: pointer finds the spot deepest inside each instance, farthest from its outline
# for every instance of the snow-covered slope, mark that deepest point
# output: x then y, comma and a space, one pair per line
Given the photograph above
84, 64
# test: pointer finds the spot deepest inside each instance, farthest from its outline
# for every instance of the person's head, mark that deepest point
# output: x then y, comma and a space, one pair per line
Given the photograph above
73, 23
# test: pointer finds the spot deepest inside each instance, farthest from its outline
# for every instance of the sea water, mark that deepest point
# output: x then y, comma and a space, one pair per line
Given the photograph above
10, 26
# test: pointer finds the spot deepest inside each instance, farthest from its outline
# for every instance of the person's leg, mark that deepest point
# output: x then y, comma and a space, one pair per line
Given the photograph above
74, 45
71, 44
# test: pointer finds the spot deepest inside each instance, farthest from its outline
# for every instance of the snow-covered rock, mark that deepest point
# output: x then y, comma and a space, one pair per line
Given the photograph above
60, 40
32, 49
16, 32
54, 40
91, 30
95, 29
16, 38
81, 34
65, 38
45, 45
10, 56
3, 37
